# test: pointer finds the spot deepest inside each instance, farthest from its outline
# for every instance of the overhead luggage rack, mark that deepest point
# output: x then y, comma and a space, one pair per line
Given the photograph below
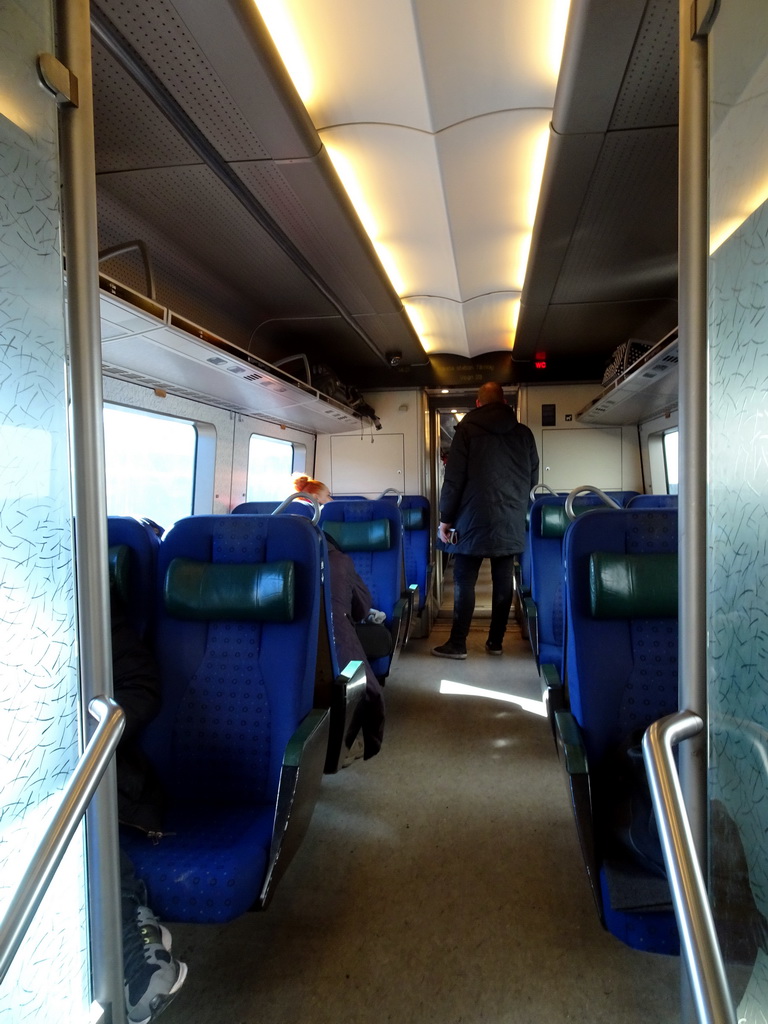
151, 345
648, 387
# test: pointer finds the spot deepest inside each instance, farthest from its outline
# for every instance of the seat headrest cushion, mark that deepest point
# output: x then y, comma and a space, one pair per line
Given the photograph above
213, 591
119, 557
414, 518
554, 521
633, 586
367, 536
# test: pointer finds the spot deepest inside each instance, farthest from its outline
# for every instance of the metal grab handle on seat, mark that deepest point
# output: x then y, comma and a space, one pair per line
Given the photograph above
592, 490
541, 487
74, 801
694, 915
304, 497
395, 492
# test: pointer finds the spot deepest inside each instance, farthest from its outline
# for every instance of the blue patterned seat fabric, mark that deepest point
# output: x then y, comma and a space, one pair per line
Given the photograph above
381, 571
621, 675
546, 572
234, 693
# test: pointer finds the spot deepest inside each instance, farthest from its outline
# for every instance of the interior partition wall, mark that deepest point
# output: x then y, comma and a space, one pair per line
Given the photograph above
55, 652
39, 697
737, 497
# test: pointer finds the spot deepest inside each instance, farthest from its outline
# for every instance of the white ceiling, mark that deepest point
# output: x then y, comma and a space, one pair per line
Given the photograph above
206, 154
440, 109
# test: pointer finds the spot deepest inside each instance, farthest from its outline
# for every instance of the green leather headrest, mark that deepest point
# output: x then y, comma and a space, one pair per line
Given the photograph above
633, 586
204, 590
554, 521
119, 557
370, 536
414, 518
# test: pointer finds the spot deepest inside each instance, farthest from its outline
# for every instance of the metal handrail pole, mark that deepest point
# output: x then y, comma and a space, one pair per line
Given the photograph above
53, 845
701, 949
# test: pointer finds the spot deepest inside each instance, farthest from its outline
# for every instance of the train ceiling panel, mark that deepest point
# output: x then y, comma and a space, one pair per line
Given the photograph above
618, 252
207, 154
604, 253
295, 257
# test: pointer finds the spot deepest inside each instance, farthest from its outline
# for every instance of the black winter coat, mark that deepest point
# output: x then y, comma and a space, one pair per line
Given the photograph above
492, 466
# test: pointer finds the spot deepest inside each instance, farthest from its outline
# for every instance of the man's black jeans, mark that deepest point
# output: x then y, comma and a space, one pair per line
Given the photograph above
465, 570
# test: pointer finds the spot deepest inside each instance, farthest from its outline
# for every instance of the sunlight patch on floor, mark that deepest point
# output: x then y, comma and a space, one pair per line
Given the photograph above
534, 707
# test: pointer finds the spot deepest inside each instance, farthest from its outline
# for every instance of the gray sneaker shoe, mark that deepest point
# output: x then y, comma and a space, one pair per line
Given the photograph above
152, 976
449, 650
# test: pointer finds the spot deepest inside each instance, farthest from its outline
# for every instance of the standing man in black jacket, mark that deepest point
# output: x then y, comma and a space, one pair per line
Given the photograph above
492, 466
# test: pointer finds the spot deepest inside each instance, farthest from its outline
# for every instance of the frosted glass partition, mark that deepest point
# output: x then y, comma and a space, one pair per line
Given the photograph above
39, 713
738, 497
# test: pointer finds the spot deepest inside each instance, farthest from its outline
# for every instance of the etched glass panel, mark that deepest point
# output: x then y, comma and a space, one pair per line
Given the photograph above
738, 497
39, 716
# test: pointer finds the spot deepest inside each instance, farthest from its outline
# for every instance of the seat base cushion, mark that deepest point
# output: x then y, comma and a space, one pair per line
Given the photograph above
210, 864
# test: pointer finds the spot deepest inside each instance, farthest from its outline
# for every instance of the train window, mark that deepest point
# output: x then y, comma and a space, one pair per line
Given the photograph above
270, 465
150, 463
670, 460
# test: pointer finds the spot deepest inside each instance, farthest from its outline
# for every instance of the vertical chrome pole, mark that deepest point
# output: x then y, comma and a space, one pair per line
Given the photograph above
89, 488
693, 246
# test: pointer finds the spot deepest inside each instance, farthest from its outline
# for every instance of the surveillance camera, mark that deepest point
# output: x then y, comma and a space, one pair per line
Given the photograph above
395, 358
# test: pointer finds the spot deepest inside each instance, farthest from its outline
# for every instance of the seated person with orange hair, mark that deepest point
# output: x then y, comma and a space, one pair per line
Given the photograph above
306, 485
351, 601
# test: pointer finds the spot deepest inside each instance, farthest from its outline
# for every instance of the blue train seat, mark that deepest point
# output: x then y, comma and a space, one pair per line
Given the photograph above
544, 608
416, 551
653, 501
371, 533
621, 674
133, 547
340, 688
415, 513
295, 506
256, 508
237, 745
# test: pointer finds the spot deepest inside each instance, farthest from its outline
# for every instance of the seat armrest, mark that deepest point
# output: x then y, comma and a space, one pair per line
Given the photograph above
430, 575
300, 777
347, 692
570, 743
532, 618
398, 628
413, 609
552, 693
573, 757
